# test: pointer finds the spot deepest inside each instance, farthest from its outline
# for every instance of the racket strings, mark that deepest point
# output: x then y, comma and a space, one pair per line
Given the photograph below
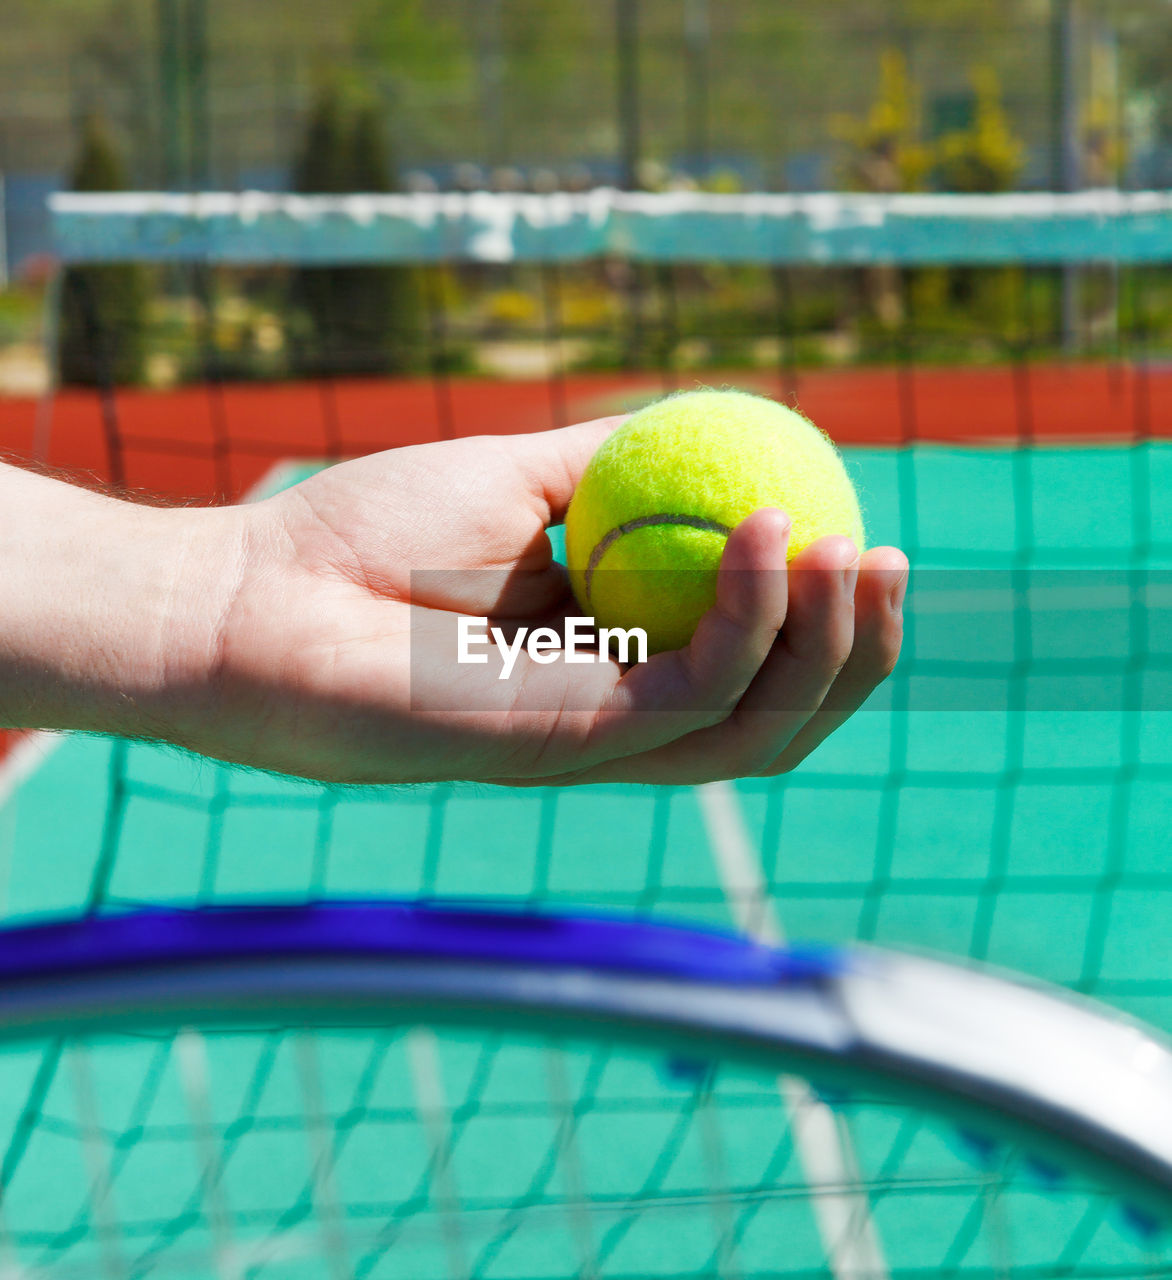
615, 1152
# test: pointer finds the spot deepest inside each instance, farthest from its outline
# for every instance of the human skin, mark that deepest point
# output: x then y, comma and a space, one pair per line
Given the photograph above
279, 634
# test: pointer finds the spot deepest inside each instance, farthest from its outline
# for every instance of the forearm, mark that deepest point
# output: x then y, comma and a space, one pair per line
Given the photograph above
108, 610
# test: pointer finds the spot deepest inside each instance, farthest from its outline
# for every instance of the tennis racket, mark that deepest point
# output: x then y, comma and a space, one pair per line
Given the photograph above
364, 1089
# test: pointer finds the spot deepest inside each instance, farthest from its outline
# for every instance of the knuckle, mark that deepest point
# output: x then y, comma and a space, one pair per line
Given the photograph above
756, 759
778, 765
837, 652
736, 755
887, 643
717, 714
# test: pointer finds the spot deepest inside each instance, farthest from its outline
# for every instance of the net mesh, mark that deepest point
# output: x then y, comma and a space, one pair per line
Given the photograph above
449, 1154
1004, 796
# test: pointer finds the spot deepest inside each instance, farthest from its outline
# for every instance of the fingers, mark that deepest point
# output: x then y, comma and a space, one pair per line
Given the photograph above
778, 663
674, 694
790, 683
879, 596
736, 636
812, 650
841, 637
553, 461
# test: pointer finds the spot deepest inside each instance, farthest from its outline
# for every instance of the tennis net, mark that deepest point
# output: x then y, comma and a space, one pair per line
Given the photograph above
994, 368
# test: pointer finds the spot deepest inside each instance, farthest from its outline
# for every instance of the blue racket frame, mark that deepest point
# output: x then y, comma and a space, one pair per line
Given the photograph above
1064, 1077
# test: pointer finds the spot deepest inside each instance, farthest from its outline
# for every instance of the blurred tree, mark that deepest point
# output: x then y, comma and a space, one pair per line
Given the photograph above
405, 36
382, 303
1145, 57
112, 66
370, 165
986, 156
322, 164
1103, 143
351, 314
885, 154
320, 169
884, 151
103, 308
360, 319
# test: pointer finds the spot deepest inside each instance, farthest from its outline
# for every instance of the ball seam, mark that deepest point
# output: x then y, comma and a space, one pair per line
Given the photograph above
609, 538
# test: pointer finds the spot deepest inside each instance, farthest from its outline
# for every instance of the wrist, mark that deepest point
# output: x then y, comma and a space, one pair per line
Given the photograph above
111, 610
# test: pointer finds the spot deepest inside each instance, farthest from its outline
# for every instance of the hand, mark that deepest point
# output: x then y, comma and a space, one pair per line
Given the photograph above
336, 583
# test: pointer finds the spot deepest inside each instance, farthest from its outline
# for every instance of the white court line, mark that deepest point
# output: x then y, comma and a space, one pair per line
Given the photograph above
191, 1059
328, 1211
106, 1223
279, 476
24, 759
823, 1144
431, 1106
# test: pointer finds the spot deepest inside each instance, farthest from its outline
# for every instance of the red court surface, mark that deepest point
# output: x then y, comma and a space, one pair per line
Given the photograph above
196, 442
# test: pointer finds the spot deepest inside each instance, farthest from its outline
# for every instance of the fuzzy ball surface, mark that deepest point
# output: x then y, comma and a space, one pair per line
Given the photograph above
649, 519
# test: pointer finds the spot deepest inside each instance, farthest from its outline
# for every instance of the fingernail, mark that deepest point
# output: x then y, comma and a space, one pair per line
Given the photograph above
898, 592
787, 527
850, 575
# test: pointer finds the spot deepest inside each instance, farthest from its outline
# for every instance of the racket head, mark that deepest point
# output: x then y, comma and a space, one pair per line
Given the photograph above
378, 1089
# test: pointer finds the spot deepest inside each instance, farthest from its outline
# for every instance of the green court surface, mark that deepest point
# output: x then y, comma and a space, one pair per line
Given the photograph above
1007, 796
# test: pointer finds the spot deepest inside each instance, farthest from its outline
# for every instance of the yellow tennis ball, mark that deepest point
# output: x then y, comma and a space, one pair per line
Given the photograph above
649, 519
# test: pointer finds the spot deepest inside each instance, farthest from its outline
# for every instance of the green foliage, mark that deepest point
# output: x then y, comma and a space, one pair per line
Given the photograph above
323, 164
986, 156
1103, 127
362, 319
103, 308
884, 152
404, 36
20, 311
370, 169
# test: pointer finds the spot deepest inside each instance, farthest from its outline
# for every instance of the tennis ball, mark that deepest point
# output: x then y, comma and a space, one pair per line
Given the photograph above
664, 491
